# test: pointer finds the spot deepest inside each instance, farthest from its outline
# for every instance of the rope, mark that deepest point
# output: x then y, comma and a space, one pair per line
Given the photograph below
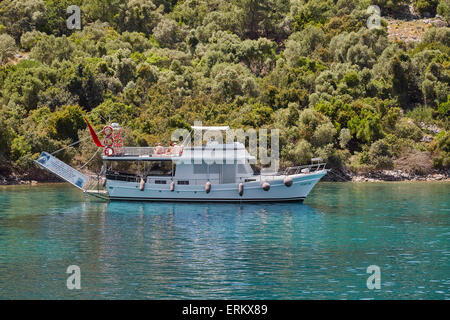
72, 144
89, 160
337, 175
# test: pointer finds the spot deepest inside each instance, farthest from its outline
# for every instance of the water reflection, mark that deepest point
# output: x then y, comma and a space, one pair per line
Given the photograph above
179, 250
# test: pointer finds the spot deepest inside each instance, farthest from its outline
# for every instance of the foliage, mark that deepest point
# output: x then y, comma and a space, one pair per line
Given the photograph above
314, 12
426, 7
138, 15
442, 148
7, 47
378, 155
312, 69
443, 9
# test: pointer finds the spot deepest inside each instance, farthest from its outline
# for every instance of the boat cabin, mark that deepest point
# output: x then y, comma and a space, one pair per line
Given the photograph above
217, 163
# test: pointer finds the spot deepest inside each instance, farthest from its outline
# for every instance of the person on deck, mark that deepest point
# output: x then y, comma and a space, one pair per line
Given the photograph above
177, 150
169, 149
159, 149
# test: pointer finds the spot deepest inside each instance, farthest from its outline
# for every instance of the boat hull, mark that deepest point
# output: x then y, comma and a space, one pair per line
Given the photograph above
301, 186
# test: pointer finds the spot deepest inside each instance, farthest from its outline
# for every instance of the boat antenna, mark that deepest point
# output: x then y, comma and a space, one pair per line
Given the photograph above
185, 139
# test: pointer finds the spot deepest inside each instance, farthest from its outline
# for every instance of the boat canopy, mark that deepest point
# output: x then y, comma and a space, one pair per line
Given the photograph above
219, 152
214, 152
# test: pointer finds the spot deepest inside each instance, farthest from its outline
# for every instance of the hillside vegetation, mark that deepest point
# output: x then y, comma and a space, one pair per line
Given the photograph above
359, 98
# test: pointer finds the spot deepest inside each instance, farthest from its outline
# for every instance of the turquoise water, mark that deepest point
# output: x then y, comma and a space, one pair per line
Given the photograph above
316, 250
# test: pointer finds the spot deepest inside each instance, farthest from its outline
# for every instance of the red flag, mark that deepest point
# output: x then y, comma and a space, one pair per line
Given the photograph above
94, 135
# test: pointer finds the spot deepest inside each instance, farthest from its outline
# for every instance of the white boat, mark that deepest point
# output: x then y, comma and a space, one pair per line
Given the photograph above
210, 173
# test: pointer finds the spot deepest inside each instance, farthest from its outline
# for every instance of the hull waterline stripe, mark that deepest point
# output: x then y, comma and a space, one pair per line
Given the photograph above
208, 200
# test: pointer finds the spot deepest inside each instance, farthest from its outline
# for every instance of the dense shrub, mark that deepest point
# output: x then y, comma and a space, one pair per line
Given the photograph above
311, 69
378, 156
426, 7
7, 47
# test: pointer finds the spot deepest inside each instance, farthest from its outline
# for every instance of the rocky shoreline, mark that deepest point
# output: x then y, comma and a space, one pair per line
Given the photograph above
32, 177
17, 180
334, 175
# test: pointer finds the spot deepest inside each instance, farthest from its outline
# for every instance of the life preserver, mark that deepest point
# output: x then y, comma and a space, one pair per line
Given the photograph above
117, 142
118, 134
108, 128
108, 141
109, 151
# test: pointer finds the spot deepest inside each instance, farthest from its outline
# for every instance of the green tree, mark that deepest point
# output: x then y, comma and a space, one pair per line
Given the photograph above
55, 16
262, 16
426, 7
7, 48
67, 121
168, 33
138, 15
443, 9
103, 10
314, 12
20, 16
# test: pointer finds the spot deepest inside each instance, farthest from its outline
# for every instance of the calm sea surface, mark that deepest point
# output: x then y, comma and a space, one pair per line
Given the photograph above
316, 250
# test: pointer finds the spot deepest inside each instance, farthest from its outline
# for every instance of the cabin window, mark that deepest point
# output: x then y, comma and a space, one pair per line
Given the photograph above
185, 182
129, 171
200, 169
141, 168
126, 167
160, 182
160, 168
122, 176
228, 173
242, 168
256, 170
203, 168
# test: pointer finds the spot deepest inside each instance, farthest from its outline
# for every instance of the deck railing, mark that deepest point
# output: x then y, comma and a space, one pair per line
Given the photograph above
303, 169
164, 151
282, 173
306, 169
146, 152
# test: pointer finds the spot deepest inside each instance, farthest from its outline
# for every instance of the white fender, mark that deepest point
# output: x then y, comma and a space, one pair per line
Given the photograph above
241, 189
142, 185
104, 182
208, 187
172, 186
288, 181
266, 186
